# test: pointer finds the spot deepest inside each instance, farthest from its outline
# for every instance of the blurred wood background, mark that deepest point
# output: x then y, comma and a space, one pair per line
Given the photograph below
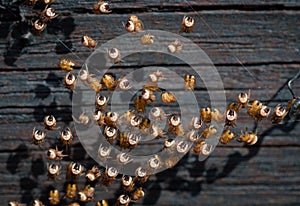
262, 37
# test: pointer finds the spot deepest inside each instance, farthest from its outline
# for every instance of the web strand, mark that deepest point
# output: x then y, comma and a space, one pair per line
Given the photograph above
69, 49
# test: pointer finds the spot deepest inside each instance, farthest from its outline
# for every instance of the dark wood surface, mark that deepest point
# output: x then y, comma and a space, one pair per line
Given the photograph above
261, 37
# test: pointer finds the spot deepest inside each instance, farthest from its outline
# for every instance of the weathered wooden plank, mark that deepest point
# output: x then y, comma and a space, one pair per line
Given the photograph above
255, 175
259, 166
149, 6
33, 88
46, 81
264, 36
232, 199
14, 114
270, 136
227, 37
45, 95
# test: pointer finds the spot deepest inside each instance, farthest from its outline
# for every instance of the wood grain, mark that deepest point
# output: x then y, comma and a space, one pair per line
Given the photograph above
253, 44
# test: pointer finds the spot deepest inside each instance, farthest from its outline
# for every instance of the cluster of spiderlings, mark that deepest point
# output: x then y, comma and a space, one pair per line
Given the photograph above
132, 186
137, 122
136, 118
126, 129
255, 109
39, 136
40, 23
95, 177
74, 170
